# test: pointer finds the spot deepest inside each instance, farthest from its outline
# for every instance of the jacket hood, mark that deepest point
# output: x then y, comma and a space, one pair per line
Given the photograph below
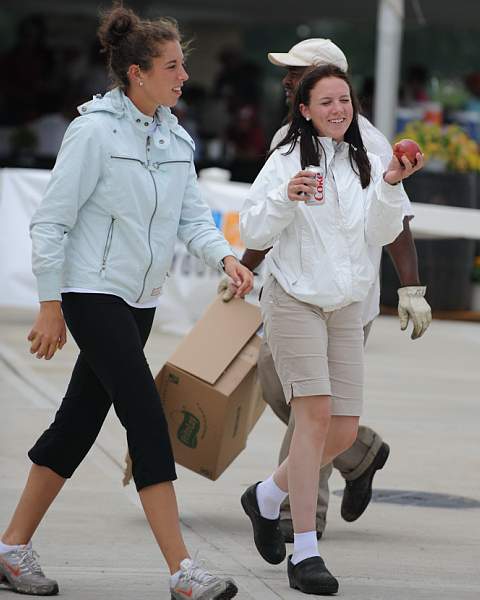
119, 105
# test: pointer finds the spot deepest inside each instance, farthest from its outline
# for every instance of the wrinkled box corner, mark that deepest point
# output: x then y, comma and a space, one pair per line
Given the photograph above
209, 388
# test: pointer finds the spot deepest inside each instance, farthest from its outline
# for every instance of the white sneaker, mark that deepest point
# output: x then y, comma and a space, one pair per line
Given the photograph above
195, 583
21, 571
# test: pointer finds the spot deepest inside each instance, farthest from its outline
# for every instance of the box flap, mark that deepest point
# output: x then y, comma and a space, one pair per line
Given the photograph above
217, 338
239, 368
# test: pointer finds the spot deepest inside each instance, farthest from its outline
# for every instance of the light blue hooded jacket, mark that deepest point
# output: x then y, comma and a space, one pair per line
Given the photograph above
119, 195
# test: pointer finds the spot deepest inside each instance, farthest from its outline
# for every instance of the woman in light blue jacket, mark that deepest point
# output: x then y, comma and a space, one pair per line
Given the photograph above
122, 190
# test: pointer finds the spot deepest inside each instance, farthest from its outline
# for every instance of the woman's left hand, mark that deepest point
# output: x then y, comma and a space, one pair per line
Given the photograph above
396, 170
242, 278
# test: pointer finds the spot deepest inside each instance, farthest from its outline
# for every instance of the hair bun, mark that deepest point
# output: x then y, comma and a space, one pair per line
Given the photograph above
121, 26
117, 24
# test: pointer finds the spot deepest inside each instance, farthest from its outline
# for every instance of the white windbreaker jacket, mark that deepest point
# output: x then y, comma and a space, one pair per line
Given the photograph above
319, 253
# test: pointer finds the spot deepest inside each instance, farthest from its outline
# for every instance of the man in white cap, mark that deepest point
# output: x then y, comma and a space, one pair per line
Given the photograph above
369, 453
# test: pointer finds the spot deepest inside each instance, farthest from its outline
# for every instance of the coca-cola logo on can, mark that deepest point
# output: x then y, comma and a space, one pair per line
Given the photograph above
318, 196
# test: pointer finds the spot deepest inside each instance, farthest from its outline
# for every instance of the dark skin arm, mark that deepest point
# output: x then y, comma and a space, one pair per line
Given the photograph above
252, 258
404, 256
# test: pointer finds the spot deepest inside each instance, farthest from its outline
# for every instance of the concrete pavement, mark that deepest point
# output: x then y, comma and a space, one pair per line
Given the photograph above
422, 396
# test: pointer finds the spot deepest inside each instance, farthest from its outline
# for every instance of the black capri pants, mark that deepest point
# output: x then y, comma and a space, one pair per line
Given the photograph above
111, 369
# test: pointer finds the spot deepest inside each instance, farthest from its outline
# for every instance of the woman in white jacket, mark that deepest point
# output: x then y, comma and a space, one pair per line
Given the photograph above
318, 274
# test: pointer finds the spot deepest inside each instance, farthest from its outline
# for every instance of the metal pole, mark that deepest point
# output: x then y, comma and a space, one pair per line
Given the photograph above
387, 68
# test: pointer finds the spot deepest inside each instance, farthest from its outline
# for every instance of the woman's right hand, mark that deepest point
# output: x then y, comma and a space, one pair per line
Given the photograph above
301, 186
49, 332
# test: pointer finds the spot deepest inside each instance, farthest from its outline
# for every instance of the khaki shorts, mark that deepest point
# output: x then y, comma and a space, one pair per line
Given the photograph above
316, 353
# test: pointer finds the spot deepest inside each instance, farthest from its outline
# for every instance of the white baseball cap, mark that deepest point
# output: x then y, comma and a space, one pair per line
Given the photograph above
310, 53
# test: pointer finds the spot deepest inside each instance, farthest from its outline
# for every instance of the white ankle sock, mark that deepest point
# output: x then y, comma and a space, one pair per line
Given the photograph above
305, 545
270, 498
6, 548
174, 578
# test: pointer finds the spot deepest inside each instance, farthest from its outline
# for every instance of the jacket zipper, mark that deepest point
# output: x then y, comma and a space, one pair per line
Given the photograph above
347, 284
106, 250
335, 182
149, 228
150, 167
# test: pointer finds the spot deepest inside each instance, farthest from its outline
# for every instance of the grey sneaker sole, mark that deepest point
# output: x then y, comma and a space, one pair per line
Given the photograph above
31, 590
230, 592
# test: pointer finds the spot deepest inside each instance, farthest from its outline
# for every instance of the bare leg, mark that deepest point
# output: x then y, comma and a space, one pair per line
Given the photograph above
299, 473
43, 485
160, 505
341, 435
316, 440
40, 491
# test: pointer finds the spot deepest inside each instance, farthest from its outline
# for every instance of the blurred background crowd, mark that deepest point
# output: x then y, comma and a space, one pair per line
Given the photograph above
234, 101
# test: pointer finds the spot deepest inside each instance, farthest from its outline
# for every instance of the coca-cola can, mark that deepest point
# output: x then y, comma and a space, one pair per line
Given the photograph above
318, 196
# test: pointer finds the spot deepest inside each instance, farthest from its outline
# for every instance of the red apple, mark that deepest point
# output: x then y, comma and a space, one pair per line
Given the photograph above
408, 148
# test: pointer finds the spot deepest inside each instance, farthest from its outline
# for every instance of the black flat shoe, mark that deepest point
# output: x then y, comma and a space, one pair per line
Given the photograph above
311, 576
358, 492
266, 532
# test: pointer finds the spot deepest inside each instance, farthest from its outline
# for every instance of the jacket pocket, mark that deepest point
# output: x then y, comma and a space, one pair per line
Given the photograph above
129, 158
107, 246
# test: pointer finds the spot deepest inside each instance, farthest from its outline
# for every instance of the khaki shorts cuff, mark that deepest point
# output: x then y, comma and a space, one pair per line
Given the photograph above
346, 408
312, 387
366, 461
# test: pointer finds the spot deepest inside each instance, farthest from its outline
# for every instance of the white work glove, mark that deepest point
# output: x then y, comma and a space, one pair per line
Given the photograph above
226, 289
412, 304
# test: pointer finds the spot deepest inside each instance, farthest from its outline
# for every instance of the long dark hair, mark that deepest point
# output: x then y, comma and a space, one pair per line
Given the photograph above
310, 147
127, 39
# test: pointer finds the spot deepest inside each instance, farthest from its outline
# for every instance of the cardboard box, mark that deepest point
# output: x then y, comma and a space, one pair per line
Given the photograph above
209, 388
